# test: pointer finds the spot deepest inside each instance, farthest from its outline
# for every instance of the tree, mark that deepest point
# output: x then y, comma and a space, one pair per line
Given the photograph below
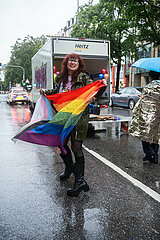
128, 24
108, 20
21, 54
146, 14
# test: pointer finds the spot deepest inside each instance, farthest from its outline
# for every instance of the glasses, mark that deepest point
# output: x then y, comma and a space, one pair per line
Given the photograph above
73, 60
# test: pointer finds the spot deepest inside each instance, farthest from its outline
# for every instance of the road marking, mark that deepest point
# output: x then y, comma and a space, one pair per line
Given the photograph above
134, 181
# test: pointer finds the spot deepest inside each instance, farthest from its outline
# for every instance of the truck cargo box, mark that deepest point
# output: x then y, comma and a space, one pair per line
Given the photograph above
95, 53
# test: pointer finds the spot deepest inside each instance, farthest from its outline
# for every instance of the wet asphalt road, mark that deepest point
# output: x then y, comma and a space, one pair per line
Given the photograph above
33, 201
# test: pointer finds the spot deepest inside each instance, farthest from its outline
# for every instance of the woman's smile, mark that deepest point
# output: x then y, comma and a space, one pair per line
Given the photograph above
72, 64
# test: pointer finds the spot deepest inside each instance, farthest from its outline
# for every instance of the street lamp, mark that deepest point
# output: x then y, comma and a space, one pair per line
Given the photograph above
17, 66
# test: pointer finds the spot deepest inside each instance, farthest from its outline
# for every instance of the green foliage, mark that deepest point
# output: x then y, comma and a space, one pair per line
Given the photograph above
21, 54
108, 20
146, 14
126, 23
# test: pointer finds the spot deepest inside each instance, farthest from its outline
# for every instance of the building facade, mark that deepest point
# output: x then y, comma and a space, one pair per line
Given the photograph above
66, 31
139, 77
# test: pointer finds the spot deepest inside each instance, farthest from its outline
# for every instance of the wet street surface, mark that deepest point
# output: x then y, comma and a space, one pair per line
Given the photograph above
33, 201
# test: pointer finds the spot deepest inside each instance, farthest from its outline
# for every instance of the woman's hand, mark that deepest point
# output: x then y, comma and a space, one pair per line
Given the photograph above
41, 91
104, 82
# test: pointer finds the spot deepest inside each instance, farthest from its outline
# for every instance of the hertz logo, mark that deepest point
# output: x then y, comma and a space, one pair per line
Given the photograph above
81, 46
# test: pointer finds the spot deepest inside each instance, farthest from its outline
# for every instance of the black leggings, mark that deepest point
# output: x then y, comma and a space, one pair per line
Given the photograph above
76, 145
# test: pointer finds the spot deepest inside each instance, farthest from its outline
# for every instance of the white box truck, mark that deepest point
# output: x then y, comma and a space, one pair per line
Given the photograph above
95, 53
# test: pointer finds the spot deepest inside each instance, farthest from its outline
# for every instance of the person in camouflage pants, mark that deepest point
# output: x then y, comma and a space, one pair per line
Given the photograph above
145, 123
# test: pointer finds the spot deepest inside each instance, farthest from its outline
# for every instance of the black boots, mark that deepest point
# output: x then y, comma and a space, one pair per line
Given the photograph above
150, 158
78, 169
151, 152
79, 184
69, 166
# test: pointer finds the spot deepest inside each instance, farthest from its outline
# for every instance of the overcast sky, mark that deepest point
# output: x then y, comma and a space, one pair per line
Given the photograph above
20, 18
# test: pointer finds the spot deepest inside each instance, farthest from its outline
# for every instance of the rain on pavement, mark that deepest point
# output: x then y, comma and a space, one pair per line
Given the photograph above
34, 204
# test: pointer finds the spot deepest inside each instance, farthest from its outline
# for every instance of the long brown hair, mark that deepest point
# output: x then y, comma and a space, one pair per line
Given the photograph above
64, 69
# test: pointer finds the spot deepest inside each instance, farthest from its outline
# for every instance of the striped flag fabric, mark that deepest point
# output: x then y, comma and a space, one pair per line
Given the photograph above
49, 130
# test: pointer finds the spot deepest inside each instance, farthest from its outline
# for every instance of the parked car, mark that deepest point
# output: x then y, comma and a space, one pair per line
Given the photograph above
140, 89
126, 97
17, 95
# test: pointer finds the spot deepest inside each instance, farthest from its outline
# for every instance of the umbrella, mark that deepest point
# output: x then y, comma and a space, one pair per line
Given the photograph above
148, 63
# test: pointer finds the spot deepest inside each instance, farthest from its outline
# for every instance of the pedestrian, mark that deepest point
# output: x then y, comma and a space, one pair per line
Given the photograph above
145, 123
73, 76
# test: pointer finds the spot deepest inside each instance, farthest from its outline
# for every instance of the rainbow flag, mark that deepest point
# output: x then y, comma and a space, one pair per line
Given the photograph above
49, 130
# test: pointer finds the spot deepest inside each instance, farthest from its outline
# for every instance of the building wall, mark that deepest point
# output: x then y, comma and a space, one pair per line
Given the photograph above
139, 77
66, 31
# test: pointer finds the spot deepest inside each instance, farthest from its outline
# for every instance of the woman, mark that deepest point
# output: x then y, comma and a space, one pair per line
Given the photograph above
146, 119
73, 76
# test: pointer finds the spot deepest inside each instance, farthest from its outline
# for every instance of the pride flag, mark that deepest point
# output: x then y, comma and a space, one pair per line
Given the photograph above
49, 130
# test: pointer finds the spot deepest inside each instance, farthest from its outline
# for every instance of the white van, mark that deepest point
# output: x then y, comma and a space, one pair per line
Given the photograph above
95, 53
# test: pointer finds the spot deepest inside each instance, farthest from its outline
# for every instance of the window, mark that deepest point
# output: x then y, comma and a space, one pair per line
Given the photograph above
145, 52
129, 91
122, 90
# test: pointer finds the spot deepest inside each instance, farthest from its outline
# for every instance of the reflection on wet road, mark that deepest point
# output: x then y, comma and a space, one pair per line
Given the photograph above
33, 201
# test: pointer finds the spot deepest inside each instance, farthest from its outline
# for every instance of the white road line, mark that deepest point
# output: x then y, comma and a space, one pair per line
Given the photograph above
134, 181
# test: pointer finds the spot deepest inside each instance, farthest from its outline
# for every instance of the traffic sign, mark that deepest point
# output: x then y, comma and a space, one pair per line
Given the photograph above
27, 81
